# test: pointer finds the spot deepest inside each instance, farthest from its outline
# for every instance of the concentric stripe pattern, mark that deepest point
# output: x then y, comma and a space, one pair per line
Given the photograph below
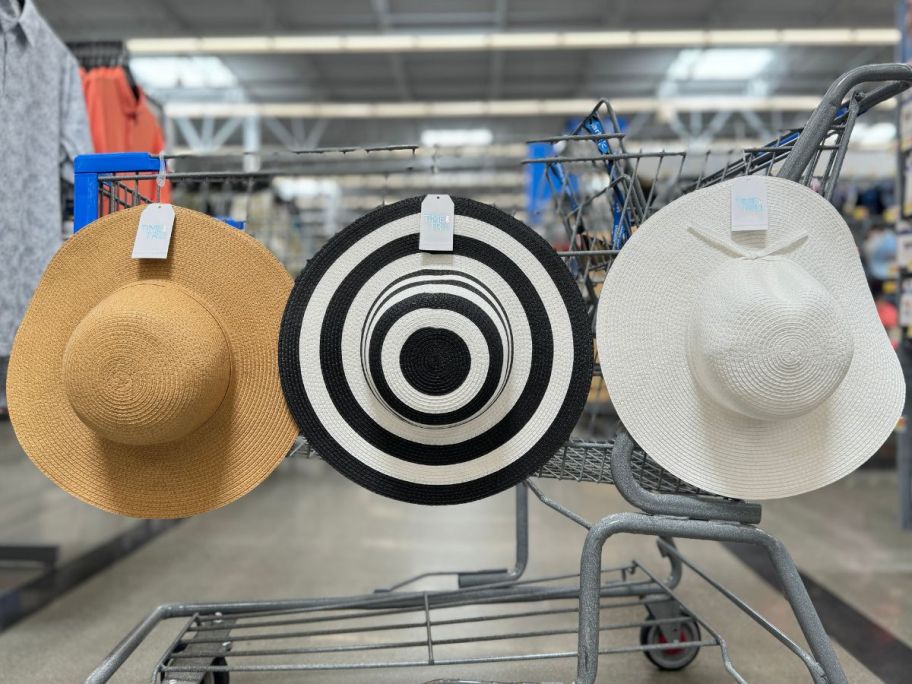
436, 378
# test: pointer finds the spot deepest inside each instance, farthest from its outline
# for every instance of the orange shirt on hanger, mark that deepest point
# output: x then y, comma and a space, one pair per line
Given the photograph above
121, 120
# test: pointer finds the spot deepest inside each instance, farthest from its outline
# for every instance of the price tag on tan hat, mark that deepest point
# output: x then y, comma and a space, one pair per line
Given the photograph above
437, 223
153, 236
749, 209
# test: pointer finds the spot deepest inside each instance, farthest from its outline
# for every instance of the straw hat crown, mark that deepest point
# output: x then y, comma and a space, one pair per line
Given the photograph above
149, 364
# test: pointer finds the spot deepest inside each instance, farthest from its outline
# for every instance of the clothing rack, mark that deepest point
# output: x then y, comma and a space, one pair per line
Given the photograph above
95, 54
99, 53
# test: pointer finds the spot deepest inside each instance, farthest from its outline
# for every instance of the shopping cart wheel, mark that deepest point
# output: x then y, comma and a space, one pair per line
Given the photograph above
209, 677
670, 658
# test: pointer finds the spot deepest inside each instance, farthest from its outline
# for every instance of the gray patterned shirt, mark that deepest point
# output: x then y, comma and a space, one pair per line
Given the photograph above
43, 126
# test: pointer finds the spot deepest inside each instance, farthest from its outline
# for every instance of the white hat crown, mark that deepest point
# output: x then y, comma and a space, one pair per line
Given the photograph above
767, 340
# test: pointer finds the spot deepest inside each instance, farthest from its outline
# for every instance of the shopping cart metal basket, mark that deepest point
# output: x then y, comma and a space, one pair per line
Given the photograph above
399, 628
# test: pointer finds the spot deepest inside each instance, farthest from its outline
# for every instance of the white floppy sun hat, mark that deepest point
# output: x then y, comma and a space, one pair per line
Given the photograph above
750, 364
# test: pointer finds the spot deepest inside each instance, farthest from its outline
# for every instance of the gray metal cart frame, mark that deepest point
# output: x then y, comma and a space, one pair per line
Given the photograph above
301, 635
670, 509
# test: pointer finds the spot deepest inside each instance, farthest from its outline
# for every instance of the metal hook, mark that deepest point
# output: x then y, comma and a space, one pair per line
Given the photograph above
161, 177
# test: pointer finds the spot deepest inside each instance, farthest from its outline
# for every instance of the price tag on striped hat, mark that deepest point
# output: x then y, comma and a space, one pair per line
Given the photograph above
437, 219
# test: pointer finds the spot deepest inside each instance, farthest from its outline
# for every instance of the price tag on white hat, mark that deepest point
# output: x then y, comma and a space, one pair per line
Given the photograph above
749, 209
438, 216
153, 236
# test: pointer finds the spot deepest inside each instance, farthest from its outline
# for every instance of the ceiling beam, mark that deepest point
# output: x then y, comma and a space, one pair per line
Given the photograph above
497, 56
396, 60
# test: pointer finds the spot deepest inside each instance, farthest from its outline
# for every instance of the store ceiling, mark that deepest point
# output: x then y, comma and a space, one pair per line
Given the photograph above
487, 74
90, 19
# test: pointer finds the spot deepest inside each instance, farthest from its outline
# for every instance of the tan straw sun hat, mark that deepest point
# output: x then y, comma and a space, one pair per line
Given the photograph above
150, 388
750, 364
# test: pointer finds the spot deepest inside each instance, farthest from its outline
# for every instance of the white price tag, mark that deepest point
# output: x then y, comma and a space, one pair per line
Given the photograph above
749, 209
437, 218
904, 250
153, 236
905, 309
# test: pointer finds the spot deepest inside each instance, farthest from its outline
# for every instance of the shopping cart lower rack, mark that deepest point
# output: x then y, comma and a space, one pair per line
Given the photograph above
498, 616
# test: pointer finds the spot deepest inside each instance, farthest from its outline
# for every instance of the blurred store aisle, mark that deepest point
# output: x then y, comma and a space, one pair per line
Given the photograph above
308, 532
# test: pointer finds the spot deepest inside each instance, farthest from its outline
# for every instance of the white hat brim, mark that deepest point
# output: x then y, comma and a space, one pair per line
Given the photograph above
643, 314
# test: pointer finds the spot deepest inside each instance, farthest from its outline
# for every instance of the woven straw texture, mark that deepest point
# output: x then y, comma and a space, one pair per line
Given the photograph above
150, 388
751, 365
436, 378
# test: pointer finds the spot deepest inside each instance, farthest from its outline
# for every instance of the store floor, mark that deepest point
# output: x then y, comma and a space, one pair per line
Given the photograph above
308, 532
36, 514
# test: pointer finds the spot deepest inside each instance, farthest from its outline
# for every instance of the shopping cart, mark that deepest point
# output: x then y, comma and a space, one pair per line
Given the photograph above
467, 625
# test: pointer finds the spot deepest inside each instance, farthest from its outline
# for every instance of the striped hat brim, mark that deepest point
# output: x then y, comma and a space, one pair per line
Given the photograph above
436, 378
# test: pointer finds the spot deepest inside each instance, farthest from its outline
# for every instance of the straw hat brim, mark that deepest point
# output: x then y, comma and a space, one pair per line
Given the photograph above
643, 316
235, 449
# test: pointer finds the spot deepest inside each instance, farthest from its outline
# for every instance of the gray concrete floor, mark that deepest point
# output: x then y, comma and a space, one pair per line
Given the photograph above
33, 511
847, 537
307, 532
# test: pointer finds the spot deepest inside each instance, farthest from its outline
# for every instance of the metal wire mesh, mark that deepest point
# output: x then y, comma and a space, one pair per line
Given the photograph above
525, 621
121, 191
256, 198
601, 191
588, 461
584, 461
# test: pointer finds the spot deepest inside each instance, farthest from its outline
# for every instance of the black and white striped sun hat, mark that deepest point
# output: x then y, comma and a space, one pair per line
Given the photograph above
436, 378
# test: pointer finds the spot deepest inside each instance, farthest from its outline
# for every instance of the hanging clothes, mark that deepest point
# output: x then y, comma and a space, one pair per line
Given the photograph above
43, 127
121, 120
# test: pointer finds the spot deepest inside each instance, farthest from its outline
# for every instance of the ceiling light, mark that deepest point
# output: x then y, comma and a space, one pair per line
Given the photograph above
308, 44
662, 38
719, 64
236, 44
539, 40
877, 36
156, 46
454, 137
597, 39
743, 37
524, 41
817, 36
445, 42
493, 108
379, 43
199, 71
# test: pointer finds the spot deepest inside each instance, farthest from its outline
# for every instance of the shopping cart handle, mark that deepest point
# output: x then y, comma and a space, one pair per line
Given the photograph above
882, 94
899, 77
